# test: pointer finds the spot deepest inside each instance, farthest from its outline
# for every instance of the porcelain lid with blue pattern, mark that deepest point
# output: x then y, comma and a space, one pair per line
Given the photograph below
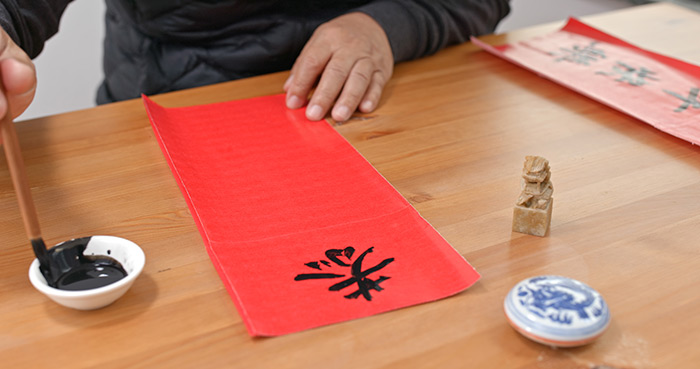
557, 311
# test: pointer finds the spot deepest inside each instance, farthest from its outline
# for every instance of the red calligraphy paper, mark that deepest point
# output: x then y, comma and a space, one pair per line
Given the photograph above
302, 229
659, 90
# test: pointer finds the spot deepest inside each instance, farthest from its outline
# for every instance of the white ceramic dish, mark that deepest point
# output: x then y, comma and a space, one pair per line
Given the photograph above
124, 251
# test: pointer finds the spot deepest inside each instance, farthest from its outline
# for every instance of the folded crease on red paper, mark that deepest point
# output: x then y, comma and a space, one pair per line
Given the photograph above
302, 230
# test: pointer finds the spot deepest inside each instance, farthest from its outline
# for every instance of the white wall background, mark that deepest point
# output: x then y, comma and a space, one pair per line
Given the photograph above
69, 70
530, 12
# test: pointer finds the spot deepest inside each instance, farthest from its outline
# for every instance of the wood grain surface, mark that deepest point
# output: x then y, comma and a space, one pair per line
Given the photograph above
451, 135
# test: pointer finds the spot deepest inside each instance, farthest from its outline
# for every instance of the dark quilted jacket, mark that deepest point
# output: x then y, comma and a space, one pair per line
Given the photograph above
155, 46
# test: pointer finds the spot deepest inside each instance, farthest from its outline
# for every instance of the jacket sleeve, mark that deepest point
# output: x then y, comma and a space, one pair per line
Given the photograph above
31, 22
416, 28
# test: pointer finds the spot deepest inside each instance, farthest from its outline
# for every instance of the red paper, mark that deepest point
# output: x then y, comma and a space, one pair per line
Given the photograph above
302, 229
656, 89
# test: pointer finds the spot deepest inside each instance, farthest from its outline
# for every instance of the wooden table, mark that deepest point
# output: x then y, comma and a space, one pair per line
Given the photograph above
451, 135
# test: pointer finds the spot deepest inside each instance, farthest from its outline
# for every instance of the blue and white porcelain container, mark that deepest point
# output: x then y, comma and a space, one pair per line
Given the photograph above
557, 311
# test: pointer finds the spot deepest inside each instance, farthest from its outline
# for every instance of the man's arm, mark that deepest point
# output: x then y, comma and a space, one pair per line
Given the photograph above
350, 58
418, 28
30, 25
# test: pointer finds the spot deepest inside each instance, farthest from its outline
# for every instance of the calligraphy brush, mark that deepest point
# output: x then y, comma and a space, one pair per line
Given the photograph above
24, 195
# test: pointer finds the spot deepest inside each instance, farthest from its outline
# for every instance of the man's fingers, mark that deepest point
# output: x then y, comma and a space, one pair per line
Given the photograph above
330, 85
18, 86
374, 92
351, 60
305, 73
17, 77
354, 90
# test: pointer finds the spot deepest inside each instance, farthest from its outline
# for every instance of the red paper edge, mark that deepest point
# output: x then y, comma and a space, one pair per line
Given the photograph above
578, 27
148, 103
496, 51
574, 25
252, 330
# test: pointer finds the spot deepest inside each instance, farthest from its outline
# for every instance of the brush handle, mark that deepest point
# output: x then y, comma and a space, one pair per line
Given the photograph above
19, 176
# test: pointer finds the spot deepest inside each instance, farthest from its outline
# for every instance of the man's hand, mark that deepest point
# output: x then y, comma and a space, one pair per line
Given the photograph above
18, 77
351, 59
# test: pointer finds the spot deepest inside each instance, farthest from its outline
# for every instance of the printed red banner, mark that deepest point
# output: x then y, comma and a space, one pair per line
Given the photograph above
302, 229
654, 88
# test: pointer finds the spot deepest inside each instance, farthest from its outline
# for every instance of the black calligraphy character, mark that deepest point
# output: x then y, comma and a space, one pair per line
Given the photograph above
690, 101
630, 75
357, 275
582, 55
333, 255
